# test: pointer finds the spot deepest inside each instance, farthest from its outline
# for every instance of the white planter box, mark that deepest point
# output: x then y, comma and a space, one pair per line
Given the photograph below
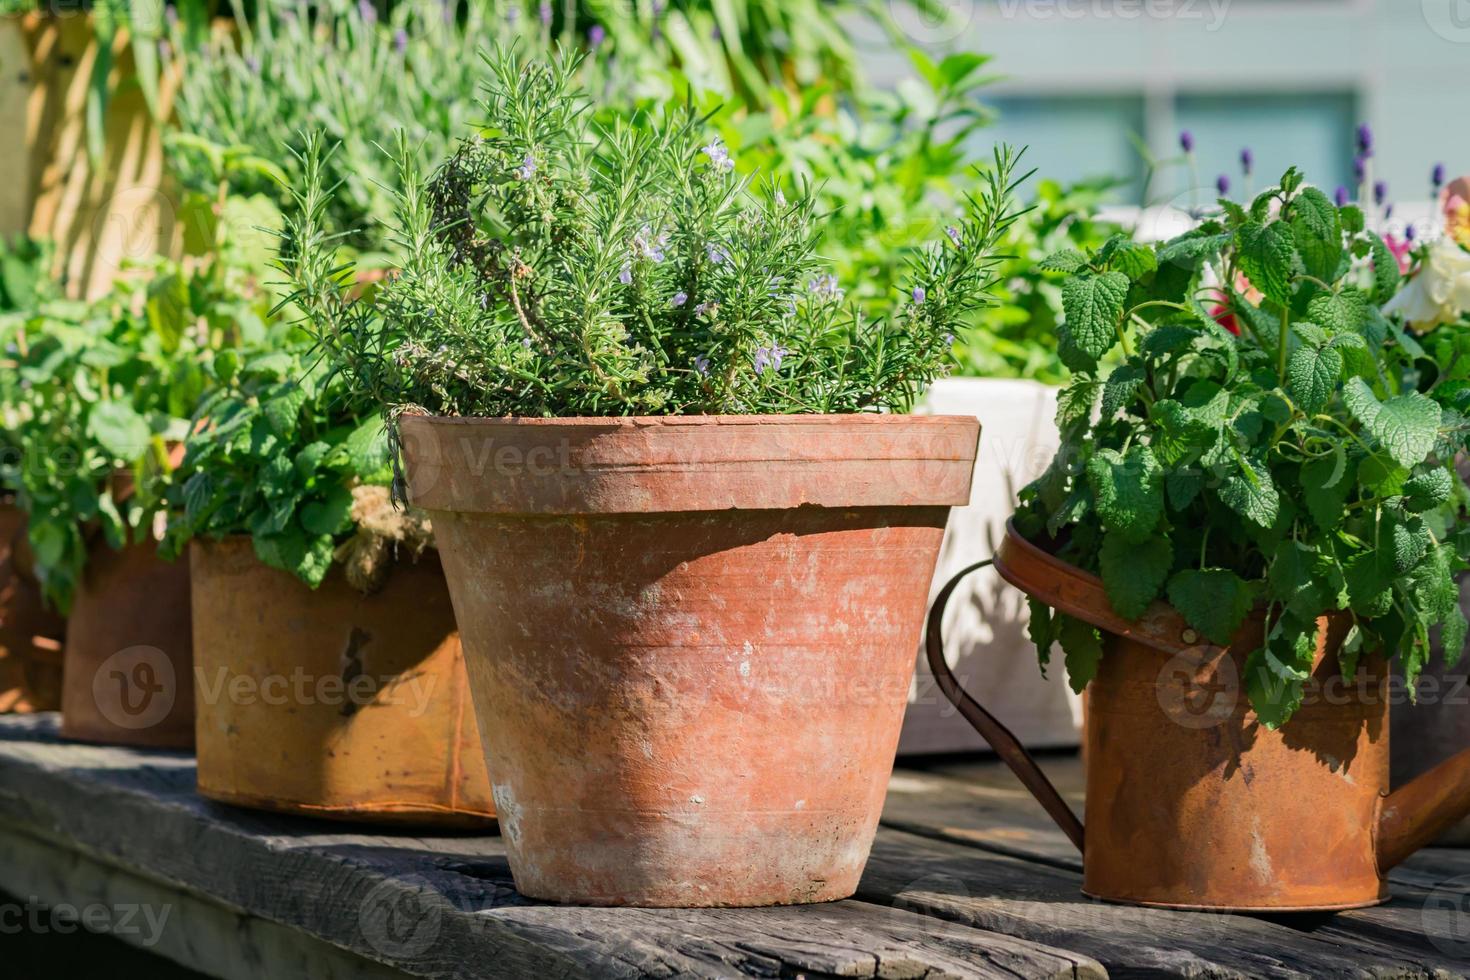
985, 627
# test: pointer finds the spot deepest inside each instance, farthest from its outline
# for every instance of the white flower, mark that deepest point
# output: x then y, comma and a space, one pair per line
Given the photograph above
780, 198
1440, 293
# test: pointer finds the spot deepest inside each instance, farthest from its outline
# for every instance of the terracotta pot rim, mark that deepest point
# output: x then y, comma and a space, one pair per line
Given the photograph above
687, 463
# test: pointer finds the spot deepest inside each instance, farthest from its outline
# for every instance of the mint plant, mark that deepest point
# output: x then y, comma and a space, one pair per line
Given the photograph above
557, 267
1299, 467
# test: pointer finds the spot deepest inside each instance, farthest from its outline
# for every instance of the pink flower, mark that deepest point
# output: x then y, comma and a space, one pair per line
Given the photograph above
1454, 204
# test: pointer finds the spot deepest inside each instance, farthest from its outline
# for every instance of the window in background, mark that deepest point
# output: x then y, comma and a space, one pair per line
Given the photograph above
1312, 130
1073, 137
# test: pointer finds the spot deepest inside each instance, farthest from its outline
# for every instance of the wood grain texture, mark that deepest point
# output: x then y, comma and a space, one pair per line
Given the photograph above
445, 906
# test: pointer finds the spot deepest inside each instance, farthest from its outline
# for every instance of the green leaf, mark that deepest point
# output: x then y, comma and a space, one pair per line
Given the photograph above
1127, 490
367, 449
1266, 256
1369, 584
1134, 259
1121, 387
1094, 308
1386, 274
308, 557
1345, 311
330, 516
1251, 493
1214, 601
1082, 647
1312, 374
1183, 487
1067, 260
1409, 542
1133, 572
1428, 490
1041, 630
282, 408
1407, 425
1178, 433
1325, 488
118, 429
1318, 233
1274, 677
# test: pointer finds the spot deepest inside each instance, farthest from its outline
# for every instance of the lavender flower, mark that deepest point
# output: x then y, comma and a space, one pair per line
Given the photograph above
701, 365
625, 274
769, 357
1186, 141
1222, 185
1365, 140
919, 295
545, 13
953, 233
719, 156
1341, 197
1247, 161
1410, 233
1436, 176
825, 285
1380, 192
171, 15
680, 298
527, 169
1388, 212
400, 40
367, 11
596, 34
1360, 168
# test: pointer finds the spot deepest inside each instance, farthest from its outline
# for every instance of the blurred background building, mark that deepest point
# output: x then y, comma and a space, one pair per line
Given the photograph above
1101, 87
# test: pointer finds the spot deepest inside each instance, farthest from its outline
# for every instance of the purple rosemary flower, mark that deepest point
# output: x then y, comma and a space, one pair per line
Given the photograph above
400, 40
719, 156
953, 233
825, 285
717, 254
1247, 161
545, 13
680, 298
714, 33
625, 274
1186, 141
367, 11
512, 13
164, 48
253, 64
596, 34
1365, 140
1222, 184
1341, 197
769, 357
1436, 176
1380, 192
701, 365
647, 245
527, 169
1360, 168
171, 15
919, 295
707, 308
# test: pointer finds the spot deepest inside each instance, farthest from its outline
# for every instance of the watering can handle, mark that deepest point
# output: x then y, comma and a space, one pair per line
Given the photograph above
1006, 745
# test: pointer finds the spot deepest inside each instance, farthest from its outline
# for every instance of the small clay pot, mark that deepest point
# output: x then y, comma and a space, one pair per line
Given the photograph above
690, 640
129, 662
329, 702
30, 633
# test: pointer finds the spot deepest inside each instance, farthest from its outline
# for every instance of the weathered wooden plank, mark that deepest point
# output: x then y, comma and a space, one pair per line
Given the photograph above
445, 906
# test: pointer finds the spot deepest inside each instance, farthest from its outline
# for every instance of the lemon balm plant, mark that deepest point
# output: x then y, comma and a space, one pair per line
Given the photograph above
1300, 469
663, 452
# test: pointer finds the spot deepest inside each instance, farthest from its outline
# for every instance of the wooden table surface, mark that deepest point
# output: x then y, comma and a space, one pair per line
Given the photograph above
967, 879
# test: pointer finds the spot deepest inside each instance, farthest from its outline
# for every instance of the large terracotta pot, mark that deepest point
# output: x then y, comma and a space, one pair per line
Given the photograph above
30, 634
329, 702
129, 651
689, 640
1192, 802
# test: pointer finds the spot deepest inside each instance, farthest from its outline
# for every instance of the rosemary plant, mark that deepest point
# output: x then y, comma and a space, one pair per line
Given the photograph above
557, 267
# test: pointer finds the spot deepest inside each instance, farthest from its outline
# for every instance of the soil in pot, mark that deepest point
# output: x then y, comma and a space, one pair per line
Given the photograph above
30, 634
330, 702
690, 640
128, 659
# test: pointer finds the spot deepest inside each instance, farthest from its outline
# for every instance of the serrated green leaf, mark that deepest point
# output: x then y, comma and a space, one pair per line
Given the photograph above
282, 408
1428, 490
1369, 584
1318, 233
1409, 541
1345, 311
367, 449
1082, 647
1266, 254
309, 557
1066, 260
1312, 374
1386, 274
1121, 387
1093, 306
331, 515
1183, 486
1075, 401
1178, 433
1133, 572
1127, 490
1251, 493
118, 429
1406, 426
1134, 259
1214, 601
1325, 488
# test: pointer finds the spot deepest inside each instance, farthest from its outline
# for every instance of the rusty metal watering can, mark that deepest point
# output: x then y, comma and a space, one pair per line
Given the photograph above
1192, 803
